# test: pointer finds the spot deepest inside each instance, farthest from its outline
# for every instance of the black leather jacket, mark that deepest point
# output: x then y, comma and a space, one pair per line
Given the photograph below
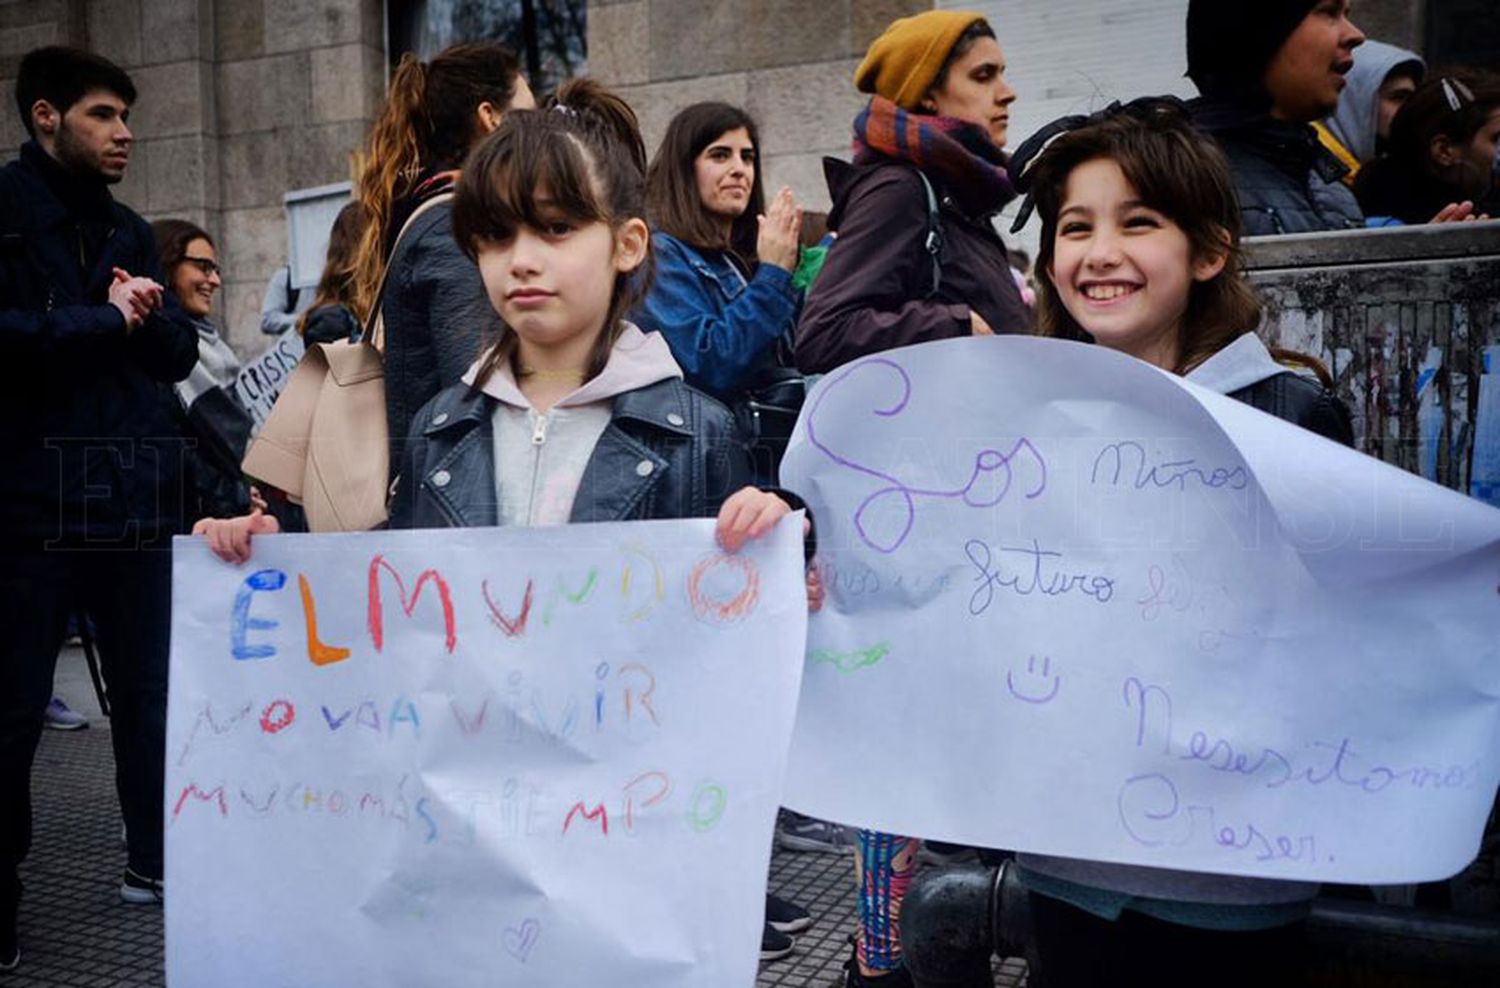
669, 451
437, 319
1300, 401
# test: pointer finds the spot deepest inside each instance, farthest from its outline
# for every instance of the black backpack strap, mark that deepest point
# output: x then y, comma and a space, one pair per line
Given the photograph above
293, 293
934, 243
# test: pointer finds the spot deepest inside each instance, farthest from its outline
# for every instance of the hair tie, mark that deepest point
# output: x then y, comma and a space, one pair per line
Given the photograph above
565, 110
1456, 93
1023, 162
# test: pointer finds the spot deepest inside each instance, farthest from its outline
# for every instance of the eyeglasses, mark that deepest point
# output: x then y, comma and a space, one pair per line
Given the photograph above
207, 265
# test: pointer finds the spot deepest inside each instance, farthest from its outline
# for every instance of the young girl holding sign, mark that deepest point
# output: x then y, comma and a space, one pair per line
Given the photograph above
1140, 247
574, 414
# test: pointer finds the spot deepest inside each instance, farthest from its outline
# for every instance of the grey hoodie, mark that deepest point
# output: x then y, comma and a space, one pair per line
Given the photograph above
540, 457
1244, 362
1353, 123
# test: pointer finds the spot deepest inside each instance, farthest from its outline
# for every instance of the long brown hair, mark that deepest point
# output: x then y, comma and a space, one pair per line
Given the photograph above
585, 149
1180, 173
672, 196
336, 283
429, 120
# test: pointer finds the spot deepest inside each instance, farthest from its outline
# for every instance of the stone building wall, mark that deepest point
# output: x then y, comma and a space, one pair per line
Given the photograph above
239, 102
789, 63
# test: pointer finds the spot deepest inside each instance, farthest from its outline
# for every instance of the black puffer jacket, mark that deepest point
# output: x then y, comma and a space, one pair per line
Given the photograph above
1286, 181
669, 451
89, 449
437, 318
875, 290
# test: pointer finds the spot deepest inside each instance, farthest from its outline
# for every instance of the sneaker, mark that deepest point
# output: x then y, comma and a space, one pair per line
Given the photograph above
139, 890
58, 717
795, 832
786, 917
774, 944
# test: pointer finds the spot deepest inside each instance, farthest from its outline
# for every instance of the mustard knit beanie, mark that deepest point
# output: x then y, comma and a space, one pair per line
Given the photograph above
904, 61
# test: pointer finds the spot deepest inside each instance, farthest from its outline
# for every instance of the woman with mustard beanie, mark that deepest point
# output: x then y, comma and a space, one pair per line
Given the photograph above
917, 256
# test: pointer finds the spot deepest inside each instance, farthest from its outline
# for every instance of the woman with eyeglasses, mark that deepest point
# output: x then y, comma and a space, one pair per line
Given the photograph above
207, 410
1443, 155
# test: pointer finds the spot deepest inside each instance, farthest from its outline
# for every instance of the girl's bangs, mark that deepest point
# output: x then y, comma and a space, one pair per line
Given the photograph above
533, 179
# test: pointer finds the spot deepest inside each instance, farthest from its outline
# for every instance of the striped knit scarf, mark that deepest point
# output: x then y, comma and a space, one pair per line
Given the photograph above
959, 153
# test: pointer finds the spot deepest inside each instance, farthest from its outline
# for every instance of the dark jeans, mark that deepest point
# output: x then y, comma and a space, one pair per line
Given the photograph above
1074, 948
128, 594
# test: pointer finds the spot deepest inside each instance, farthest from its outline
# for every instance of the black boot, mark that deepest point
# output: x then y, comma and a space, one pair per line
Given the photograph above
898, 978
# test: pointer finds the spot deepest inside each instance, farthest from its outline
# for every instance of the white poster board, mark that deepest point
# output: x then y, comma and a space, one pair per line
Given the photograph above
478, 757
261, 378
1080, 607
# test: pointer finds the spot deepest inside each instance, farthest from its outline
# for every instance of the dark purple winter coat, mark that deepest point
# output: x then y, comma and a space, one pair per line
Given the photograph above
876, 289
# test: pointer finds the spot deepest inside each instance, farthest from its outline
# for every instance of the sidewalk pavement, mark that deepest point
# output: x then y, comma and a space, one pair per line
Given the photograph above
75, 931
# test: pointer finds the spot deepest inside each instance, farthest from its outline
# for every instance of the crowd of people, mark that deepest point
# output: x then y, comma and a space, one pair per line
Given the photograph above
579, 331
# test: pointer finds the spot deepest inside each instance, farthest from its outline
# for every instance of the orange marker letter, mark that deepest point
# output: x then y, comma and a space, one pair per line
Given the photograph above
320, 654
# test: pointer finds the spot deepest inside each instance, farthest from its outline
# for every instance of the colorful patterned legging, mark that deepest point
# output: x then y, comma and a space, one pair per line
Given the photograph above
883, 870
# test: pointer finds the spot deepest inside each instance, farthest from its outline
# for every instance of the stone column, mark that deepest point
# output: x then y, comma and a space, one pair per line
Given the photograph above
790, 64
298, 82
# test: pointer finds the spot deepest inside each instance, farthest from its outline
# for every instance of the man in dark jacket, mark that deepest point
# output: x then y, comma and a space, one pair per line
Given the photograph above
90, 483
1266, 72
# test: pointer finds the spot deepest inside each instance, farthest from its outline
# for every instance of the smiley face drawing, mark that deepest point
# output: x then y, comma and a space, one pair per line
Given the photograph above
1035, 682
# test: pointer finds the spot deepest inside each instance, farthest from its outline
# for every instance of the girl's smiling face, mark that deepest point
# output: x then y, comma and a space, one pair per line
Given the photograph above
1123, 270
553, 285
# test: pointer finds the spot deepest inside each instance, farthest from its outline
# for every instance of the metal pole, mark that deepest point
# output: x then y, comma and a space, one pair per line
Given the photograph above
533, 48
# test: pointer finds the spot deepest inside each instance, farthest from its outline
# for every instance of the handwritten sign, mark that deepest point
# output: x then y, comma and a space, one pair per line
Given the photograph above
479, 757
1080, 607
261, 379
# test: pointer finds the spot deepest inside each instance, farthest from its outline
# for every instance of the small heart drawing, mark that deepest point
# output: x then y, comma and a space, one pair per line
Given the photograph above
520, 939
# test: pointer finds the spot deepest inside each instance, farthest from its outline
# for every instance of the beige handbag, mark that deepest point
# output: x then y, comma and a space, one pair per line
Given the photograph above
325, 443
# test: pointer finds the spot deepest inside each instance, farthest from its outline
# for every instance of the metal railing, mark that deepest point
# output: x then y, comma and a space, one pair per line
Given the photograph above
1408, 321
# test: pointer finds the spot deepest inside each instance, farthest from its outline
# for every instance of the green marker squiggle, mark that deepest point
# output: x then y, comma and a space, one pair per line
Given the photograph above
860, 658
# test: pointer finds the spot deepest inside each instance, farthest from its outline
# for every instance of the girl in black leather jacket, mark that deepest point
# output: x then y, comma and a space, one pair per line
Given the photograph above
1140, 245
574, 414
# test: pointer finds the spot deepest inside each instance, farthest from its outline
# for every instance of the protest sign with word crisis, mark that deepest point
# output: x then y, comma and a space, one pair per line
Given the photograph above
1078, 606
260, 381
478, 757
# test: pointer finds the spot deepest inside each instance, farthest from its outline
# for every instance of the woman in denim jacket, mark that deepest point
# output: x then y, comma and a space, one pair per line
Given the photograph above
723, 294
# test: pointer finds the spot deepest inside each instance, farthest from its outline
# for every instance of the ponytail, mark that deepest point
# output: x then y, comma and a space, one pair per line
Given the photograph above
586, 150
390, 165
428, 121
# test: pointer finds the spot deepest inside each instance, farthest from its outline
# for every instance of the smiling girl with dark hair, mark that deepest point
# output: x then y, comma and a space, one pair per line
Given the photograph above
1140, 253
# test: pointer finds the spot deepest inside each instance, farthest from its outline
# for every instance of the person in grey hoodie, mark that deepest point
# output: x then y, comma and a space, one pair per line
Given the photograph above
1144, 260
1382, 78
